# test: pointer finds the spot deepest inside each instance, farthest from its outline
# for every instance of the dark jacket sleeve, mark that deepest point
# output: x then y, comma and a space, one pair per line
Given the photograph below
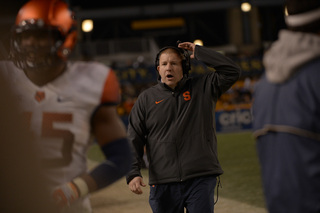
227, 72
137, 138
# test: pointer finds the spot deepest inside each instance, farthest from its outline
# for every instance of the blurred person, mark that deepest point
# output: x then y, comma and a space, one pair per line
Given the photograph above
68, 104
286, 113
23, 188
174, 120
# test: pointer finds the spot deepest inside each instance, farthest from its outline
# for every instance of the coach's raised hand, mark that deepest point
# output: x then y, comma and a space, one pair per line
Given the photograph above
188, 46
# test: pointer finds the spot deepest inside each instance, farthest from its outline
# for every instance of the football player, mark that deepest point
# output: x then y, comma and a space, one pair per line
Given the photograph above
66, 103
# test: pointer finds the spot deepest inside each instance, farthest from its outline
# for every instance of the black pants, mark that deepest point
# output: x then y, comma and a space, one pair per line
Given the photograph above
196, 195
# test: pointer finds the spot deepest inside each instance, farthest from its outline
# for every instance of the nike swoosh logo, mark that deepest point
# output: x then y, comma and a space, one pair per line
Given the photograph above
63, 99
157, 102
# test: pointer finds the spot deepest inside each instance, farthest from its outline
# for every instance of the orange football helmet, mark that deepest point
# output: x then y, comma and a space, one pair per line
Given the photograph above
52, 17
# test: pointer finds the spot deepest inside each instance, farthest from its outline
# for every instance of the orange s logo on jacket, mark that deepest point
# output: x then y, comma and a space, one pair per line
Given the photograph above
186, 96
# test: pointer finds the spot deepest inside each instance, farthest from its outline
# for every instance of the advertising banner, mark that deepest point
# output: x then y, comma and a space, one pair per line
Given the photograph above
234, 120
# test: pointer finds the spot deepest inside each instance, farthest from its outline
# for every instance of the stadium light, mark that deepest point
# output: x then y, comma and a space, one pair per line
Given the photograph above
286, 11
198, 42
87, 25
245, 7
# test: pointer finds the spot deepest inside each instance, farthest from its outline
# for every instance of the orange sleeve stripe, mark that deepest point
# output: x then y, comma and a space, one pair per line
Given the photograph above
111, 90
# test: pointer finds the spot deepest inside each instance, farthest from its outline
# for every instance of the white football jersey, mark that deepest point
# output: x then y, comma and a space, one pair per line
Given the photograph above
59, 113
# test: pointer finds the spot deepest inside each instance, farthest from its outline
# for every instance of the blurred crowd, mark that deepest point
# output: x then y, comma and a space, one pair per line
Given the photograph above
135, 79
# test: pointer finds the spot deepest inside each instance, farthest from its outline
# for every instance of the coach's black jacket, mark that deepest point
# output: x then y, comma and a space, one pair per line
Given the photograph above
178, 126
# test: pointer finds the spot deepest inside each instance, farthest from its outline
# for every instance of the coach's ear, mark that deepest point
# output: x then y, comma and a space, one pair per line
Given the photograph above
159, 76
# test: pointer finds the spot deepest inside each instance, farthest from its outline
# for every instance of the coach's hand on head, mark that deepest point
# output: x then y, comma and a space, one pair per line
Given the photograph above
188, 46
135, 184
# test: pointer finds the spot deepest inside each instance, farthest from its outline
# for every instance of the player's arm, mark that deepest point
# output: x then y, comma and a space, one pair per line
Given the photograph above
110, 134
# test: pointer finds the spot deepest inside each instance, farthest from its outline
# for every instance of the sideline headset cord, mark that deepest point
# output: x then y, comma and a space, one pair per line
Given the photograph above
218, 185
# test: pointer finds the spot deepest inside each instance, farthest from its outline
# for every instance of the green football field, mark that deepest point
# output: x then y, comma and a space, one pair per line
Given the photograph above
241, 180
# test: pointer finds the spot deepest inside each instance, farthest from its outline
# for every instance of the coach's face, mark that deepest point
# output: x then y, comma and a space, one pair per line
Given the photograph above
170, 67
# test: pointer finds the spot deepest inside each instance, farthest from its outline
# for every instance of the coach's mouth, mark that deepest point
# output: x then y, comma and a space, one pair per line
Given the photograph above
169, 77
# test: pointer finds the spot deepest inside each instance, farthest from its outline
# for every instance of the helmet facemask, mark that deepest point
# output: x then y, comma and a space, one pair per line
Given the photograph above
43, 19
35, 45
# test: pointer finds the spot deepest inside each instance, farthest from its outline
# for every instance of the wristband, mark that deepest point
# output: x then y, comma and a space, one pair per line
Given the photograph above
81, 186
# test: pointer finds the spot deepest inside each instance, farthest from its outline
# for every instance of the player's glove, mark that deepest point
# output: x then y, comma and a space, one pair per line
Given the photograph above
66, 194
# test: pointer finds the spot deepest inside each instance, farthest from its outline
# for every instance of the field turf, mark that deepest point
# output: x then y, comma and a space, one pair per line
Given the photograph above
241, 180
